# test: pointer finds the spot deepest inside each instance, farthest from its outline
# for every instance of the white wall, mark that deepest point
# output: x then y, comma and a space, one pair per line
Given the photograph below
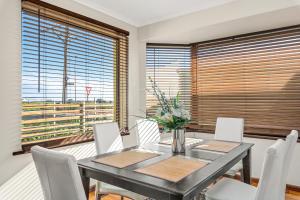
10, 79
10, 87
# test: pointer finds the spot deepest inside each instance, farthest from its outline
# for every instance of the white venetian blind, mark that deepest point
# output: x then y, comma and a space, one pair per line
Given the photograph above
170, 68
74, 74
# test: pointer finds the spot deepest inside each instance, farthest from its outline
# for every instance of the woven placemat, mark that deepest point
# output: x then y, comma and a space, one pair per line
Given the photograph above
126, 158
173, 169
217, 145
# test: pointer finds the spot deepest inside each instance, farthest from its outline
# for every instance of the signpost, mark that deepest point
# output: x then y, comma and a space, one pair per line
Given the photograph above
88, 90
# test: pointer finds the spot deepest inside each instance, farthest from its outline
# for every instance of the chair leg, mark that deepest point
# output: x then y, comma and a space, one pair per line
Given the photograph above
197, 197
242, 175
99, 196
202, 194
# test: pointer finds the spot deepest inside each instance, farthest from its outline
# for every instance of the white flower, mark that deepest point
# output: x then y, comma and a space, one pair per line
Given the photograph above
167, 117
180, 104
186, 114
176, 112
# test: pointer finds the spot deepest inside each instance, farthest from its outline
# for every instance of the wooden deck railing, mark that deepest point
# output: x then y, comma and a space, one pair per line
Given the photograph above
51, 120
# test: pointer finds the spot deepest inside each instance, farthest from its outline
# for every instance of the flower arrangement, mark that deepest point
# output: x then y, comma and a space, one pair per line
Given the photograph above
171, 113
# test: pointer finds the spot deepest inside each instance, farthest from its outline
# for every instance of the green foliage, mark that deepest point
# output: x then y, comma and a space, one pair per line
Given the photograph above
171, 114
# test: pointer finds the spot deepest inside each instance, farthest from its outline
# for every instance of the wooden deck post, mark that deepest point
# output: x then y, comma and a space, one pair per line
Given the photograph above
82, 117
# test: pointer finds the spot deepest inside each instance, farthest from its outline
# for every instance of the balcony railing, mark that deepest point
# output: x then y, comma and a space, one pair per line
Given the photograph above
50, 121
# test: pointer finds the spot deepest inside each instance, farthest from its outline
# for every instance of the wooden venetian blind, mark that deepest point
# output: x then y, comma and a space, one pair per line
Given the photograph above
74, 74
254, 76
170, 68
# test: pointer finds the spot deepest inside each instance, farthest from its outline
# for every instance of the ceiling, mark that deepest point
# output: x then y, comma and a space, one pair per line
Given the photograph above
143, 12
260, 22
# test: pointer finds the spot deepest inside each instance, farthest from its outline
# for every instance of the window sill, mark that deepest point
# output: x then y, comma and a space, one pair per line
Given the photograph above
55, 143
259, 133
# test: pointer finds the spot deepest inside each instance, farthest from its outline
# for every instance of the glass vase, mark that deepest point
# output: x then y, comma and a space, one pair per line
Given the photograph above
178, 144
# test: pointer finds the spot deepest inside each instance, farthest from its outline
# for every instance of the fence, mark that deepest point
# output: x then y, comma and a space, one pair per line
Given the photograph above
46, 121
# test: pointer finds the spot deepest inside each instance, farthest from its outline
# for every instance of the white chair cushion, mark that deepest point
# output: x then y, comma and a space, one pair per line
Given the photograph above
269, 187
107, 137
291, 140
59, 175
229, 129
230, 189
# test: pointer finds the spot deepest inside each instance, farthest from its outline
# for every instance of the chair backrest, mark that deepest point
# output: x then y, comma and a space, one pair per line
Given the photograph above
270, 186
59, 175
291, 141
107, 137
148, 131
229, 129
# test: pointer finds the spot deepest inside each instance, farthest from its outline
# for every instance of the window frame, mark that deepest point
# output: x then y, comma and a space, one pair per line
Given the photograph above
210, 128
271, 132
121, 70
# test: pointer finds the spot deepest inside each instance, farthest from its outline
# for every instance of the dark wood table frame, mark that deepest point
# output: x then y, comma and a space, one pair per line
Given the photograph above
160, 189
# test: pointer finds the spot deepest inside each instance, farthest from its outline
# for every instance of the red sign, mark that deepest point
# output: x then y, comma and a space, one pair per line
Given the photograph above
88, 90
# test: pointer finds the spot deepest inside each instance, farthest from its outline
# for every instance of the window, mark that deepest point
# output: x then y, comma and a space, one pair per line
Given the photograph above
74, 74
170, 68
254, 76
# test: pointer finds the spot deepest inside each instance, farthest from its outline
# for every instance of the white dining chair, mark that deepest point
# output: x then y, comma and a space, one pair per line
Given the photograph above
59, 175
107, 139
148, 131
230, 129
272, 180
291, 140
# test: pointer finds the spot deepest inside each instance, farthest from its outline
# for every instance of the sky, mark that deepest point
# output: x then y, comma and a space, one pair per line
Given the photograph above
90, 59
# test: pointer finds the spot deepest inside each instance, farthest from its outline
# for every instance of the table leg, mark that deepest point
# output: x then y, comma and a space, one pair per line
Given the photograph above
85, 182
246, 175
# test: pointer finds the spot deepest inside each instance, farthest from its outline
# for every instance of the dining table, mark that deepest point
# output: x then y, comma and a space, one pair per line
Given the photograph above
154, 171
